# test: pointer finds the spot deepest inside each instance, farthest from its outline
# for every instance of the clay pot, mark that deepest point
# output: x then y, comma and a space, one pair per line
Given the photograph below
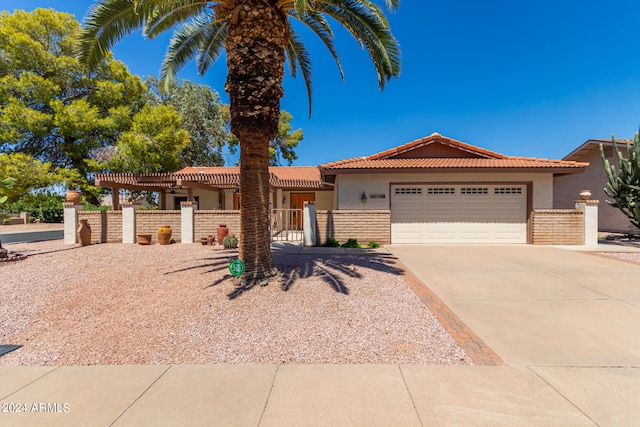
164, 235
585, 194
73, 196
204, 241
144, 239
222, 232
84, 232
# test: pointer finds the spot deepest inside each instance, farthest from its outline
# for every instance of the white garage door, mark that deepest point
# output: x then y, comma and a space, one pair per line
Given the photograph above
459, 213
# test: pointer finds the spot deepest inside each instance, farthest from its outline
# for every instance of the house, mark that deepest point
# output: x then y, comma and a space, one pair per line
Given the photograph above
440, 190
595, 180
431, 190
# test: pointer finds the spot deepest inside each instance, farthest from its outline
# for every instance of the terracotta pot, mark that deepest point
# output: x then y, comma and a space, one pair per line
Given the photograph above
204, 241
585, 194
84, 232
144, 239
222, 232
73, 196
164, 235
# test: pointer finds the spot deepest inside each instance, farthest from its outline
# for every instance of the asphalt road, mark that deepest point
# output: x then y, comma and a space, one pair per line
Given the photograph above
31, 236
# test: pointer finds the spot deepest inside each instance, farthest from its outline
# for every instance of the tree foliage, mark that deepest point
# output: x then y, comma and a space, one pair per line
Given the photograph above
152, 144
282, 147
28, 173
204, 117
51, 107
624, 184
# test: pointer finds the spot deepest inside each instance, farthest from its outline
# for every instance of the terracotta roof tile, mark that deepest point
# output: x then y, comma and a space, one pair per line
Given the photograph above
219, 177
484, 158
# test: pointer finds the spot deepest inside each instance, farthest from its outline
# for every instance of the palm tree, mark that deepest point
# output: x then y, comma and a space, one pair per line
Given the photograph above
258, 37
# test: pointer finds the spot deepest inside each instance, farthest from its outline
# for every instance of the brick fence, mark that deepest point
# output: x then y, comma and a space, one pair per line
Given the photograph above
365, 226
558, 227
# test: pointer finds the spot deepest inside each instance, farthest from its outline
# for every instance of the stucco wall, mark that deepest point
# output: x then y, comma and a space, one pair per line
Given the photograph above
567, 190
350, 187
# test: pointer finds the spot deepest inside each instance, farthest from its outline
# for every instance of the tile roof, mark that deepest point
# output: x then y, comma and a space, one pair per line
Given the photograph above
218, 177
399, 158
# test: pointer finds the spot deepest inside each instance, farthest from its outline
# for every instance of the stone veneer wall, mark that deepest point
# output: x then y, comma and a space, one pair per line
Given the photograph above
106, 226
558, 227
206, 222
365, 226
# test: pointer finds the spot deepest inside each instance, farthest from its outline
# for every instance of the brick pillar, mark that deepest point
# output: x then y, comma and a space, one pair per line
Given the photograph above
129, 210
590, 209
71, 222
187, 226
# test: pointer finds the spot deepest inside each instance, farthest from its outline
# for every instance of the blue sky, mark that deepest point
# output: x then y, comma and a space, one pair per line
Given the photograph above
531, 78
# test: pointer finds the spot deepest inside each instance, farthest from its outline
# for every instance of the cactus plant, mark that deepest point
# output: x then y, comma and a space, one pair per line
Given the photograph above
624, 185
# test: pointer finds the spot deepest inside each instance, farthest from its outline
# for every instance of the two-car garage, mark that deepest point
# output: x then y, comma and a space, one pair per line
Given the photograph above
459, 213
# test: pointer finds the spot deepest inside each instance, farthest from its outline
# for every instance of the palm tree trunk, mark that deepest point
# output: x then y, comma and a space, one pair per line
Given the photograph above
255, 59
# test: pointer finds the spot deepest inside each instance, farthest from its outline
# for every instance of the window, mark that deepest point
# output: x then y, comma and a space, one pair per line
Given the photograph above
178, 199
404, 191
474, 190
441, 190
507, 190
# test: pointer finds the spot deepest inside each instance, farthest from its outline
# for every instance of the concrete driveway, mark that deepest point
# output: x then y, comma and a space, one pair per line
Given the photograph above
537, 305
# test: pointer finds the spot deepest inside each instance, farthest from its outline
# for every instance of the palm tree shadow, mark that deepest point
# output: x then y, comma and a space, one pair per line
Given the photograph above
332, 269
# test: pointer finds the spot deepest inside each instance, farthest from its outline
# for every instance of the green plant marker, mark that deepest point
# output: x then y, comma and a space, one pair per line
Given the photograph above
236, 268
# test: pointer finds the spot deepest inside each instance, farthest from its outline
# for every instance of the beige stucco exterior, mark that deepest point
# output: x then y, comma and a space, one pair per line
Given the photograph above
567, 189
349, 187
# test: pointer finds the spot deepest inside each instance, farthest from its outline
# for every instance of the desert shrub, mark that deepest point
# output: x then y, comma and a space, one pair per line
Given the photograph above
351, 243
373, 245
331, 243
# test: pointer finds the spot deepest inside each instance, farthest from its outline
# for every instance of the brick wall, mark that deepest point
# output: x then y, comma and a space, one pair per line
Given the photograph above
365, 226
106, 226
148, 222
206, 222
558, 227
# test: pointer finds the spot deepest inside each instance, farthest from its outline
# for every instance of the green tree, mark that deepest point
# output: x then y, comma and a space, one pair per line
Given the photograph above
29, 174
283, 146
204, 117
152, 144
624, 185
51, 107
258, 37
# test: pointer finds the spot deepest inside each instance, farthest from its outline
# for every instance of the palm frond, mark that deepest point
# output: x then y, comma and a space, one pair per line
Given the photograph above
212, 45
189, 40
297, 54
106, 23
362, 20
319, 25
169, 14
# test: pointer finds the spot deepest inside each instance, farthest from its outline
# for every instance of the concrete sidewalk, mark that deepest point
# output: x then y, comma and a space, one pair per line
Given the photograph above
565, 322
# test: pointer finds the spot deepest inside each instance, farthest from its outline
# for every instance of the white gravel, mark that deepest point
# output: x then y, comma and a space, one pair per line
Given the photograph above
177, 304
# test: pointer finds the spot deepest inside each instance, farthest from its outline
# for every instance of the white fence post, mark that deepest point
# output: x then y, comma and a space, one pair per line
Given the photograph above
187, 221
129, 210
71, 222
590, 210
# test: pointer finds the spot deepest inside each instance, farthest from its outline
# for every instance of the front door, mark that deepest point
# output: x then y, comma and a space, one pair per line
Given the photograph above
297, 202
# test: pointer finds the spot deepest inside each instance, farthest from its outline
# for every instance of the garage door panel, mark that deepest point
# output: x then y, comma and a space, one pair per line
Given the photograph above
459, 214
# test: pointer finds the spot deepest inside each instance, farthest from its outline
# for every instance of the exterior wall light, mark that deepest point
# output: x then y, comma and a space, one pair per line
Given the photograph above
363, 198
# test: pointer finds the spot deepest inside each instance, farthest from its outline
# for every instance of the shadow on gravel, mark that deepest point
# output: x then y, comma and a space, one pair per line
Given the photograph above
293, 268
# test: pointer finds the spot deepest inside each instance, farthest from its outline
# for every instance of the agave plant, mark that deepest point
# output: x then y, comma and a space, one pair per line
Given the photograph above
624, 185
259, 38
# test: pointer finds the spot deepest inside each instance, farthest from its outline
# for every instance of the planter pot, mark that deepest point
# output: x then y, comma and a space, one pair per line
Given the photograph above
222, 232
585, 194
73, 196
164, 235
203, 240
84, 232
144, 239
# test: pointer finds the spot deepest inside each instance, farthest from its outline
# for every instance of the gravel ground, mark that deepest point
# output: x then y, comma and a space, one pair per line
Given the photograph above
176, 304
